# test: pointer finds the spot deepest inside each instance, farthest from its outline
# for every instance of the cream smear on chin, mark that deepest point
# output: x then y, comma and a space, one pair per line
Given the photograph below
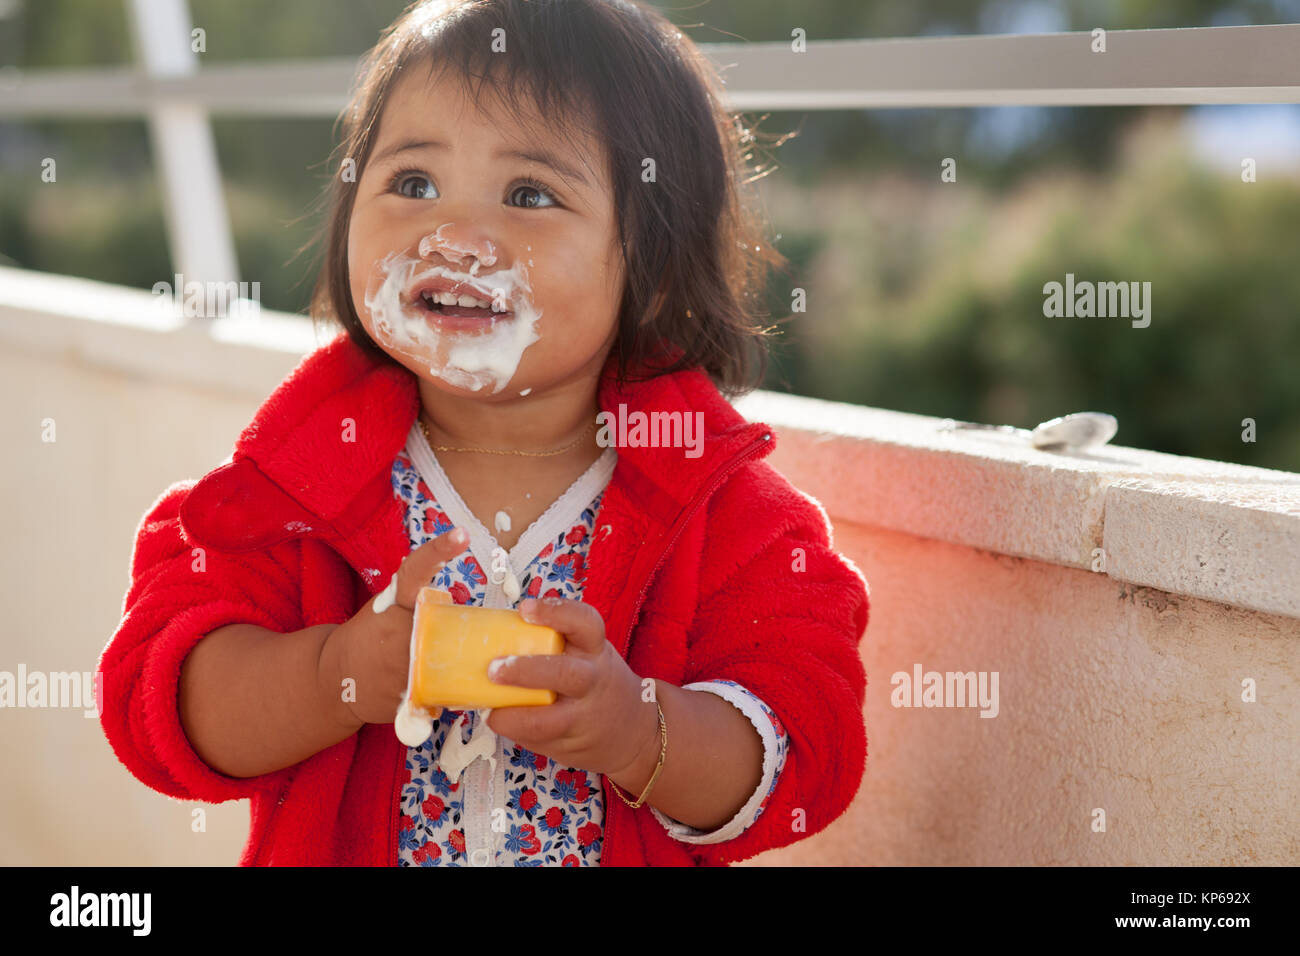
474, 359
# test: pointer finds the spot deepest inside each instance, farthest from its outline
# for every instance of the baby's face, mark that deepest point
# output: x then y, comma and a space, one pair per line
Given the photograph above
465, 218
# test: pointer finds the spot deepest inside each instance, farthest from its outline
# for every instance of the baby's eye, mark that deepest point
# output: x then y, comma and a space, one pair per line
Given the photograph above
412, 185
416, 185
532, 186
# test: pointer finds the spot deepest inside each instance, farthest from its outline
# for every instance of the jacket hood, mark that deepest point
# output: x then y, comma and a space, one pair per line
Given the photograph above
337, 421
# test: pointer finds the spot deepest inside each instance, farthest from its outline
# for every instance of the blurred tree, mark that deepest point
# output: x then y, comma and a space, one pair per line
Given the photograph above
960, 330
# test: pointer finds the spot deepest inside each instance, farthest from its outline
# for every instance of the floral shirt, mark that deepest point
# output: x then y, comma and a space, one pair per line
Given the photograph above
473, 798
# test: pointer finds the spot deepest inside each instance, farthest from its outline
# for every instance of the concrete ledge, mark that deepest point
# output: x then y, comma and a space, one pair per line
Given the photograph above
1227, 533
1208, 540
1223, 532
137, 332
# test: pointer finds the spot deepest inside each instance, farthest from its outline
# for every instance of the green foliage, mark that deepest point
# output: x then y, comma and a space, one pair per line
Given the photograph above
962, 334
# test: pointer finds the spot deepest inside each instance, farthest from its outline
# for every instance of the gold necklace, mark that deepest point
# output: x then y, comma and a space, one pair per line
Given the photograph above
495, 451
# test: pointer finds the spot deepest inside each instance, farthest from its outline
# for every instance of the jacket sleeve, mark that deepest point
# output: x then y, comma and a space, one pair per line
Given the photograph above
179, 593
782, 614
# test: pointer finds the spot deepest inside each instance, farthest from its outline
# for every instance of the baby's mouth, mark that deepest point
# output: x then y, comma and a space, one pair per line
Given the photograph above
460, 311
443, 297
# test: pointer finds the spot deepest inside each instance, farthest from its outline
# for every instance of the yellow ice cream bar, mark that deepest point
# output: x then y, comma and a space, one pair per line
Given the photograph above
453, 645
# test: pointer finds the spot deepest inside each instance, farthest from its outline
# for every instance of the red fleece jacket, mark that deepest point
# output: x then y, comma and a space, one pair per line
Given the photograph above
693, 567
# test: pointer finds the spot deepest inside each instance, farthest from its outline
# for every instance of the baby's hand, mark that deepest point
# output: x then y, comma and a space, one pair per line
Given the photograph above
374, 650
598, 721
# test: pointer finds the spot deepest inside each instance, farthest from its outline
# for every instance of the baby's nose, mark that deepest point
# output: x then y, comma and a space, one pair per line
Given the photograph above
457, 247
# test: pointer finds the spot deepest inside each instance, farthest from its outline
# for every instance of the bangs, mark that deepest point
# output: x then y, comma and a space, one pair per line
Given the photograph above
546, 92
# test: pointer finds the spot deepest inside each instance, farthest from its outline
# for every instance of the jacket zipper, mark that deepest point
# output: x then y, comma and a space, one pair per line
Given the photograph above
681, 523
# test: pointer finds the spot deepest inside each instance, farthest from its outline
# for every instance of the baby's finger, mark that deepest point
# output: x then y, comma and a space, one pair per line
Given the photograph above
534, 725
565, 674
418, 568
581, 624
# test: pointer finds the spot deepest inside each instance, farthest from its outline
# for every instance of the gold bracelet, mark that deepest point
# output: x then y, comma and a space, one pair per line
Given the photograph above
663, 748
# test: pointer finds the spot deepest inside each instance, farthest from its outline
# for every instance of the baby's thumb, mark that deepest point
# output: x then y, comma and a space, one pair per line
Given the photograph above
419, 567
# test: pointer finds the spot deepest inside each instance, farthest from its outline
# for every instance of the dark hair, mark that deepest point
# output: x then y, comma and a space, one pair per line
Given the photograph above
625, 75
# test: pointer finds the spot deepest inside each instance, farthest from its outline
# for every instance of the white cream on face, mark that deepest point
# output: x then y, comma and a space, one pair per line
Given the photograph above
473, 360
436, 241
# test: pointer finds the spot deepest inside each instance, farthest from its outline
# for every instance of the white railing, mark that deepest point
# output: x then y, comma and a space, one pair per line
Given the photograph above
1207, 65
